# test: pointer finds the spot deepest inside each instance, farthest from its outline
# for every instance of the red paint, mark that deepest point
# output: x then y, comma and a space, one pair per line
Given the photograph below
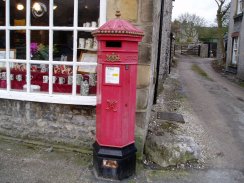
116, 91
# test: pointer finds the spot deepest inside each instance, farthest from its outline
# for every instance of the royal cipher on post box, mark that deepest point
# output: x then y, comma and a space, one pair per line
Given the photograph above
114, 153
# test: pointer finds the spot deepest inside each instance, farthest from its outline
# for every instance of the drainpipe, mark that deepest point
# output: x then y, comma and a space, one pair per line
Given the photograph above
170, 51
159, 52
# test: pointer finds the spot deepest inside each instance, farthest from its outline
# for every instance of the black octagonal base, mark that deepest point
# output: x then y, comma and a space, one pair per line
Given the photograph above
114, 163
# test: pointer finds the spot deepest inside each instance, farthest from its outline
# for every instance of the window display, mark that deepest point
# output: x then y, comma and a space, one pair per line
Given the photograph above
50, 52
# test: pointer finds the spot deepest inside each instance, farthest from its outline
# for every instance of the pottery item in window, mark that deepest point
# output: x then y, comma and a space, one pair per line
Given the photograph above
84, 88
81, 43
79, 79
61, 80
44, 68
92, 79
70, 80
3, 76
88, 24
19, 77
45, 79
89, 42
34, 68
54, 79
11, 77
95, 44
94, 24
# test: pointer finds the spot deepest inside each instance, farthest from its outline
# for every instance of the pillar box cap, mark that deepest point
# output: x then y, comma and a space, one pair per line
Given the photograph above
118, 27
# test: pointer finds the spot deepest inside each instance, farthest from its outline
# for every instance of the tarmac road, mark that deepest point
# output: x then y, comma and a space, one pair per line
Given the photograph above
219, 105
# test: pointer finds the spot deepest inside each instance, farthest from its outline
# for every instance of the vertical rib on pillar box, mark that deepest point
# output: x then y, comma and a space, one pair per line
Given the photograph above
114, 154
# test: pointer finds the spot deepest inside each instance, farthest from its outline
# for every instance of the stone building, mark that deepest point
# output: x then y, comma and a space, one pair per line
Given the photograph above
42, 96
235, 49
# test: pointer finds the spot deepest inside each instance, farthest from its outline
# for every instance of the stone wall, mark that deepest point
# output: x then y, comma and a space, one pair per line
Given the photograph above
55, 123
240, 67
165, 41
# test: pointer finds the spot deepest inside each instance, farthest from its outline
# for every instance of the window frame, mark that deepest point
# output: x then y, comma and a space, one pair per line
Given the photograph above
49, 97
239, 6
235, 50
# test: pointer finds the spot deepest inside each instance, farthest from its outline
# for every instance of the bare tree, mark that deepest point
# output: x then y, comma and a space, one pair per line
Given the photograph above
190, 24
222, 11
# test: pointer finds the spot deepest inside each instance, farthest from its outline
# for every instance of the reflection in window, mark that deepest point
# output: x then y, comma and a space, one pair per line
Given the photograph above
63, 46
86, 80
2, 41
3, 76
18, 76
62, 78
18, 43
63, 13
88, 13
18, 12
39, 45
40, 13
2, 13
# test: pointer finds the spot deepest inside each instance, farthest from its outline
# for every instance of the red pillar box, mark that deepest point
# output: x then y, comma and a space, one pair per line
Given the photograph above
114, 149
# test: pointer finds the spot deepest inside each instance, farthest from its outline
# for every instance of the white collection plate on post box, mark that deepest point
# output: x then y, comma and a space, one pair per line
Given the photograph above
112, 75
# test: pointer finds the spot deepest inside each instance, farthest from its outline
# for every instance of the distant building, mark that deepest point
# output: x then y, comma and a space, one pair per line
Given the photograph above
235, 50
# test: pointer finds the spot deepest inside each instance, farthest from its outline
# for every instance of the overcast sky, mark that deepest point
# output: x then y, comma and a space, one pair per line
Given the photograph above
203, 8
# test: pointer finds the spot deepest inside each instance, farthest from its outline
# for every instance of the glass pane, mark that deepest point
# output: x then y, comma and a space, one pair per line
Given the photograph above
39, 45
62, 79
2, 13
18, 12
63, 13
63, 46
86, 80
3, 76
40, 12
88, 13
39, 78
18, 76
18, 43
2, 42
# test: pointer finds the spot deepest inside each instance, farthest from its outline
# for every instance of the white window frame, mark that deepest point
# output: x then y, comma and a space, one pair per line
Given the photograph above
235, 50
49, 97
239, 6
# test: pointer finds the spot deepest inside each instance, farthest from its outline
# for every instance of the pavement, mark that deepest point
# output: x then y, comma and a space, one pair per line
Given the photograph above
218, 108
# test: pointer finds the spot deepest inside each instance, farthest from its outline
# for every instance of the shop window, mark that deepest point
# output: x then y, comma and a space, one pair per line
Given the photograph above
18, 12
3, 75
18, 43
47, 52
39, 46
39, 11
63, 13
2, 13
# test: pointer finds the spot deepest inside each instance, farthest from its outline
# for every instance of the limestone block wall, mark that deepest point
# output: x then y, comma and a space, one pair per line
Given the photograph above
165, 41
55, 123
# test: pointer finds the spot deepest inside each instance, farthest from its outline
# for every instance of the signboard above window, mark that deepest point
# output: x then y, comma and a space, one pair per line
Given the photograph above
52, 43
